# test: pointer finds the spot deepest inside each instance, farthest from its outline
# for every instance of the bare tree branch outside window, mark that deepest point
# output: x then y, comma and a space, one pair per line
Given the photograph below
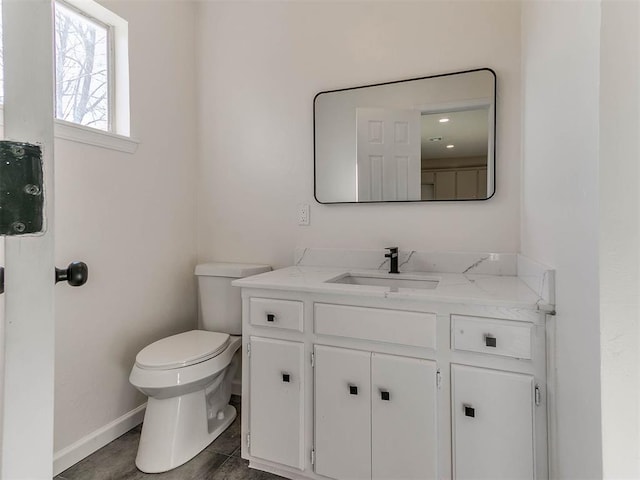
81, 49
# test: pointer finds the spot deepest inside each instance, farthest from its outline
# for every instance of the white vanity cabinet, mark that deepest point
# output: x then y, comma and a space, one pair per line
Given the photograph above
342, 413
404, 438
493, 424
375, 415
277, 401
392, 389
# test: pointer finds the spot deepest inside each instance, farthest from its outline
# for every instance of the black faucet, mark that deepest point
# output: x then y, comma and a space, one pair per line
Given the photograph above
393, 259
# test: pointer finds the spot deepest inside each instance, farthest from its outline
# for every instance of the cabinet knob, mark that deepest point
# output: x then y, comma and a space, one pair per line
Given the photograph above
469, 411
385, 395
353, 390
271, 317
490, 340
286, 377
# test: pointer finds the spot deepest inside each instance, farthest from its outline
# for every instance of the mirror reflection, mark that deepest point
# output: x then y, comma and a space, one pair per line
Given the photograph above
422, 139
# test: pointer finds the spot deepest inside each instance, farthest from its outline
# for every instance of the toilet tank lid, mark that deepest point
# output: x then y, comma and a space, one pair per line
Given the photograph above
230, 270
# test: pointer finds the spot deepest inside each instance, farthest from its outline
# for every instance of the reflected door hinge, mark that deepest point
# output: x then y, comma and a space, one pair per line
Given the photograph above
438, 379
313, 456
537, 395
248, 349
313, 359
248, 440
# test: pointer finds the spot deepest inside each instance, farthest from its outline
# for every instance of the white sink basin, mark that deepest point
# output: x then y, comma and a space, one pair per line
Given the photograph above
393, 281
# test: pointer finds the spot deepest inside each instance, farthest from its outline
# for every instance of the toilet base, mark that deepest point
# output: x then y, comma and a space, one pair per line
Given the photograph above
174, 431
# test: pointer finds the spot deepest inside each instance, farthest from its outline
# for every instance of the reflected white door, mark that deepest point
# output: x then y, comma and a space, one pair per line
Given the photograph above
27, 395
388, 156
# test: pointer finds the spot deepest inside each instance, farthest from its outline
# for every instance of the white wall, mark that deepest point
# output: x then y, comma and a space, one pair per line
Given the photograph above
619, 237
261, 63
131, 219
561, 73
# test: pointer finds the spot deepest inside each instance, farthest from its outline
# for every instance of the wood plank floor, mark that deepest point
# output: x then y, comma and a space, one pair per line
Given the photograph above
219, 461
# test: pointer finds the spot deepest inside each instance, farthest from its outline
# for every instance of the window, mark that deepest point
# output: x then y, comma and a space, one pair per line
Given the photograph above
91, 72
83, 68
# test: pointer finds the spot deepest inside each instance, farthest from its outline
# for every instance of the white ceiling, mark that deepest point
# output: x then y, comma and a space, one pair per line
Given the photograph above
466, 130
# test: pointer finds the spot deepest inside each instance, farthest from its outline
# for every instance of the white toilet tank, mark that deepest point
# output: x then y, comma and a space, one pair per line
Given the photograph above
220, 305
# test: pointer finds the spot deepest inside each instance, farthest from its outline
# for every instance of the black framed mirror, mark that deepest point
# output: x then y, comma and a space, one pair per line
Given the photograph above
415, 140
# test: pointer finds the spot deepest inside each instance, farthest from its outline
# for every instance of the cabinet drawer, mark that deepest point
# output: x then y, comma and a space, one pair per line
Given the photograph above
497, 337
267, 312
376, 324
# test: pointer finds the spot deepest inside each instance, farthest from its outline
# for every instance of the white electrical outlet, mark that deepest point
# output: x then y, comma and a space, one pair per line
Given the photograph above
303, 214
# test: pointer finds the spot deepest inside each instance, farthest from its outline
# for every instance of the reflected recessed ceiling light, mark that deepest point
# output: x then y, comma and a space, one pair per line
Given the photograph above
443, 120
450, 146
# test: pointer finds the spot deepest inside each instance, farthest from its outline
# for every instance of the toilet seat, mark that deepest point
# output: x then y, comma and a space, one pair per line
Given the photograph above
182, 350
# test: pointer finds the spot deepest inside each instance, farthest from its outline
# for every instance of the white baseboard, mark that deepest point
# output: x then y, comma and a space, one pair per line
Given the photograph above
68, 456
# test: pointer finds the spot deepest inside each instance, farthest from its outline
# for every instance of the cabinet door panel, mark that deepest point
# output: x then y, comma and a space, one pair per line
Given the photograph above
276, 413
466, 184
403, 418
492, 415
342, 413
445, 185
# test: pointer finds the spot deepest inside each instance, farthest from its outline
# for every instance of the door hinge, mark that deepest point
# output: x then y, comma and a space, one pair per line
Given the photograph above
248, 349
438, 379
538, 400
313, 359
313, 456
248, 440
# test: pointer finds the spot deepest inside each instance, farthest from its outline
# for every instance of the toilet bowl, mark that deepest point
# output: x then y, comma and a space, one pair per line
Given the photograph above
188, 399
188, 377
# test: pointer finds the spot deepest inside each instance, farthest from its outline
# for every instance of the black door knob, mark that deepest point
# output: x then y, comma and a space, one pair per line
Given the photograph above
1, 279
76, 274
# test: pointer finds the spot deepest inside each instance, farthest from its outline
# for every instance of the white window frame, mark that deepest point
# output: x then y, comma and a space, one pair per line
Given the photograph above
111, 53
119, 137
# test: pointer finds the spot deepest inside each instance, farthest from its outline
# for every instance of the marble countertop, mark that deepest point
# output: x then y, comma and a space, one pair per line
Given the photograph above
478, 289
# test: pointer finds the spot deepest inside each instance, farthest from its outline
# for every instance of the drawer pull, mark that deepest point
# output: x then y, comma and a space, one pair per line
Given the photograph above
271, 317
385, 395
469, 411
286, 377
490, 340
353, 390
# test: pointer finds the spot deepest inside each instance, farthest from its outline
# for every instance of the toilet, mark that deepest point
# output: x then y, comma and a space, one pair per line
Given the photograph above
188, 377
